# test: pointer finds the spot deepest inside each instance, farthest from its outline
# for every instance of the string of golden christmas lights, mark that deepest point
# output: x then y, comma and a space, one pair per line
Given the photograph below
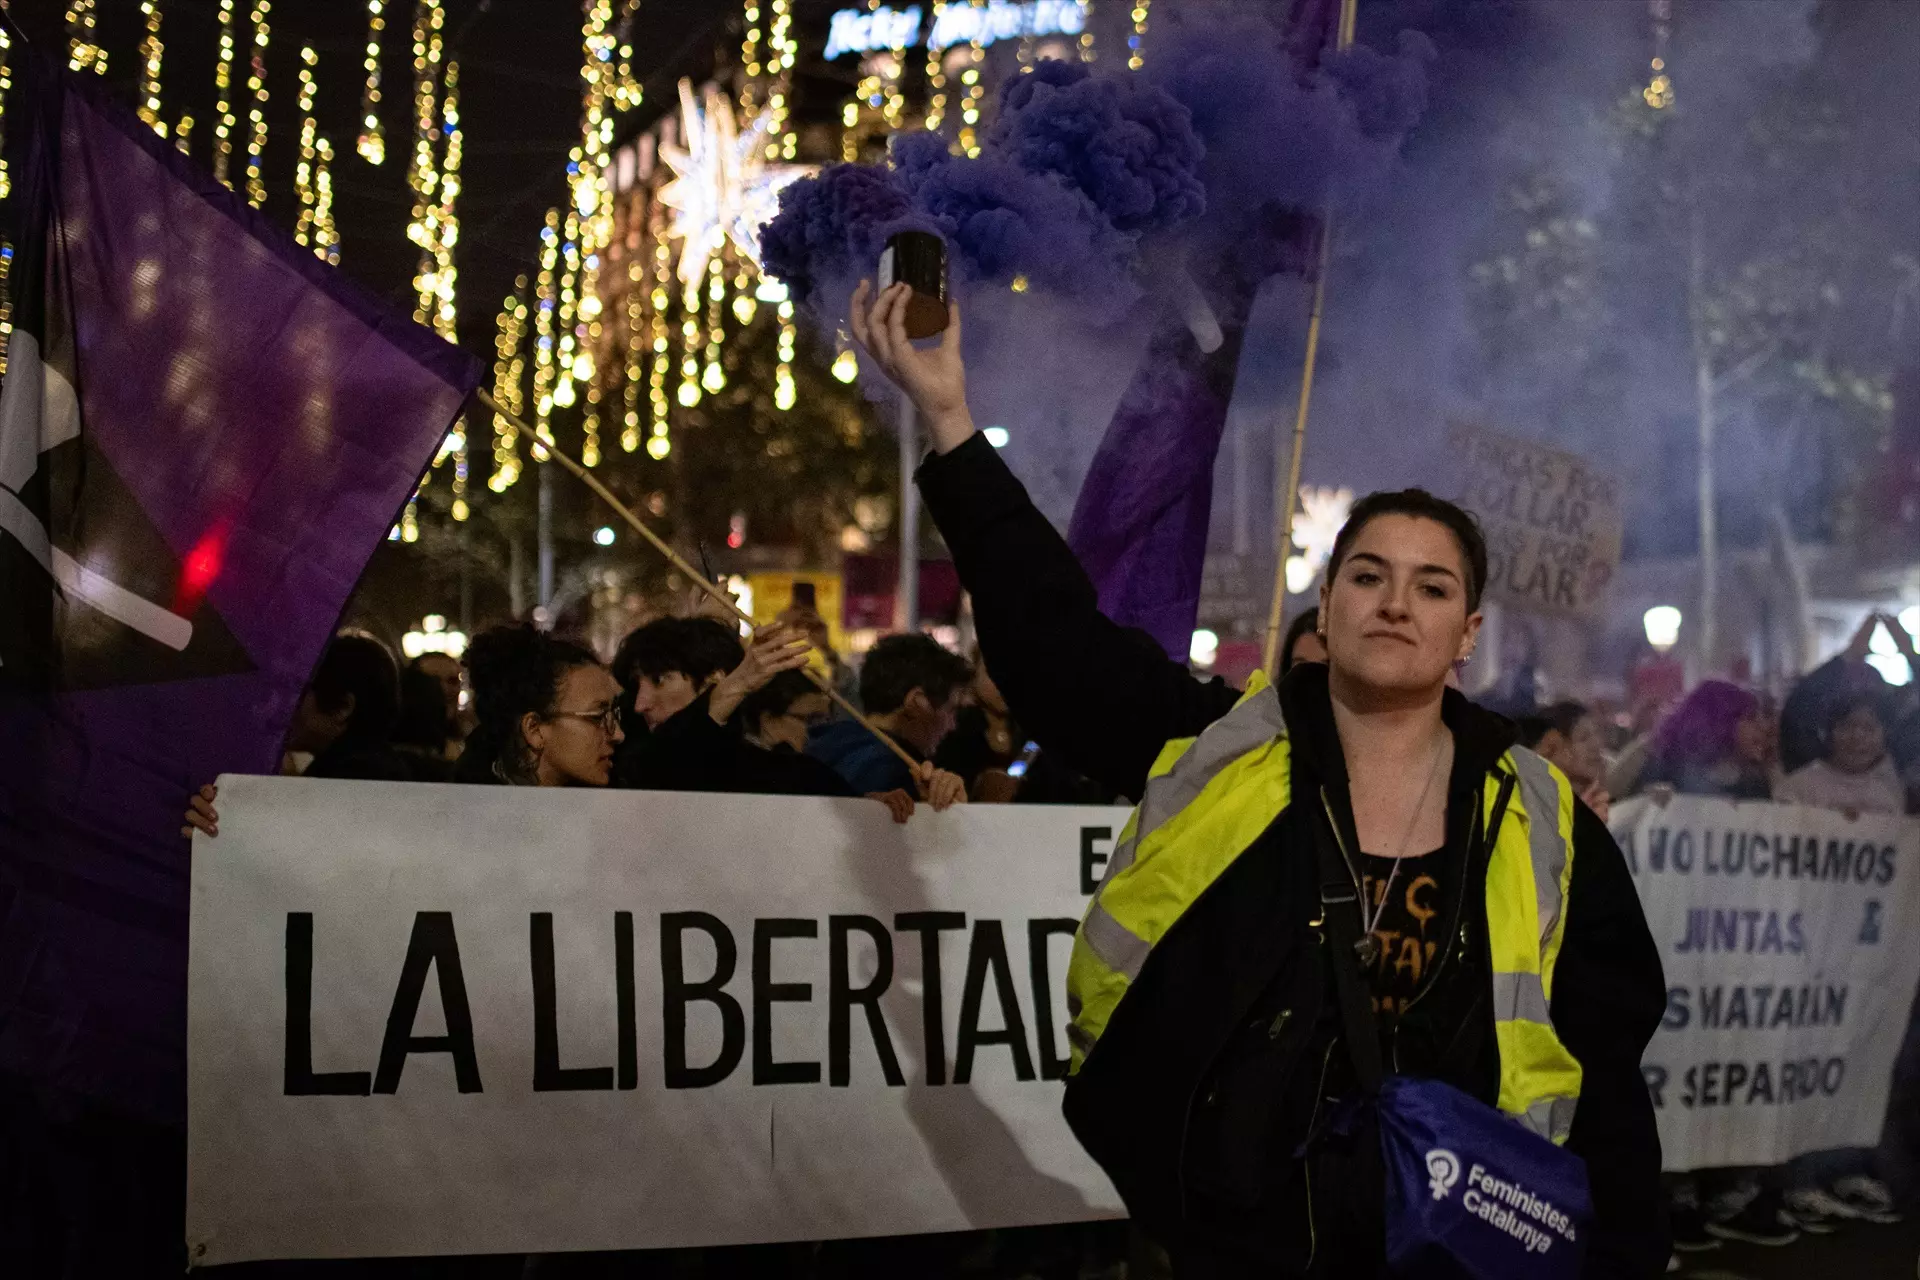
257, 117
445, 235
225, 122
304, 190
183, 135
782, 46
689, 393
543, 324
593, 201
1086, 34
150, 51
936, 76
6, 84
510, 332
326, 236
373, 138
784, 391
1137, 42
444, 228
970, 99
659, 441
84, 52
428, 18
635, 371
564, 315
713, 378
750, 59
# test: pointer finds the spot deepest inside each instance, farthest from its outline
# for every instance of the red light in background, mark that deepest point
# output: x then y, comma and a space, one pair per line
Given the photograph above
736, 539
200, 567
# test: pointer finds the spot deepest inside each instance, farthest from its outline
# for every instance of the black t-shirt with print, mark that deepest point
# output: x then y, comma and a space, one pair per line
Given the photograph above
1408, 931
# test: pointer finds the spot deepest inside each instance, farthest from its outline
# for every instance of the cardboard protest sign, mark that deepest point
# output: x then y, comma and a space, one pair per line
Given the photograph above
1552, 521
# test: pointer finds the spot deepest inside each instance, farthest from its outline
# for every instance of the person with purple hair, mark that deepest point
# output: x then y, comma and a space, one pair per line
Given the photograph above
1720, 741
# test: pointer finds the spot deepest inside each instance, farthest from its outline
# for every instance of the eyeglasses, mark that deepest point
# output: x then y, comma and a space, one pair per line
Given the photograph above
608, 720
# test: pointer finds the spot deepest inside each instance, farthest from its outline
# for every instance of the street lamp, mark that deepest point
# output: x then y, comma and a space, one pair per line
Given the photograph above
1662, 623
1204, 648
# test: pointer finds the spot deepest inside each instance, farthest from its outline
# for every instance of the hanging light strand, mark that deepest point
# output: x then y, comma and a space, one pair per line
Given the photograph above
970, 96
373, 138
659, 443
543, 325
782, 46
225, 122
936, 76
6, 84
257, 116
446, 227
150, 51
84, 51
1137, 42
593, 202
326, 236
713, 378
508, 366
750, 60
784, 392
564, 315
422, 176
304, 189
1086, 34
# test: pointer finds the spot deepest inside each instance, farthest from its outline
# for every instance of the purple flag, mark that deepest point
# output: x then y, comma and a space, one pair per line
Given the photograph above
204, 433
1140, 521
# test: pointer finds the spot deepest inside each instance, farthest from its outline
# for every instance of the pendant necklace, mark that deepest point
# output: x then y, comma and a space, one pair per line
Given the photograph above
1368, 947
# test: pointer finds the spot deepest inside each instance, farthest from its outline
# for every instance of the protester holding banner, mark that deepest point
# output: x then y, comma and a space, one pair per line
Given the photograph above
1567, 735
1209, 1006
910, 687
1854, 772
1718, 742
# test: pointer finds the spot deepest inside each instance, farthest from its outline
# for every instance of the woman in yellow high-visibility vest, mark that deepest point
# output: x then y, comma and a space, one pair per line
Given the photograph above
1499, 929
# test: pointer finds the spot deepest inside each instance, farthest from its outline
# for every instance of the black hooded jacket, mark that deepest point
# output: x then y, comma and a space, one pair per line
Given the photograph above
1225, 1053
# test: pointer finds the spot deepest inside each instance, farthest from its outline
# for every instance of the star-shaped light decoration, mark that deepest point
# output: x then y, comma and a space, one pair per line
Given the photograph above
1315, 526
724, 188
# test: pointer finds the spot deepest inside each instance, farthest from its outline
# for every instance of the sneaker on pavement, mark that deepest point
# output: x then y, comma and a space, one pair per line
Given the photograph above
1868, 1199
1763, 1221
1690, 1230
1816, 1212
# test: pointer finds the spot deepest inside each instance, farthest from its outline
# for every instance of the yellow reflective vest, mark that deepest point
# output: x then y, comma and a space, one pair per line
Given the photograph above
1208, 799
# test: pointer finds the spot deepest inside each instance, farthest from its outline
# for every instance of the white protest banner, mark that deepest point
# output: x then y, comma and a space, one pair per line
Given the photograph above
1552, 521
1787, 938
429, 1019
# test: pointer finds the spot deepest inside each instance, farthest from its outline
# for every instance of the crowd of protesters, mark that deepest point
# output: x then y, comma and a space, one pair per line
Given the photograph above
690, 704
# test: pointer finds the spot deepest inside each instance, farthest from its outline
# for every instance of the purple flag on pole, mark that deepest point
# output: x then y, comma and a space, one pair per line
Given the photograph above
204, 433
1140, 522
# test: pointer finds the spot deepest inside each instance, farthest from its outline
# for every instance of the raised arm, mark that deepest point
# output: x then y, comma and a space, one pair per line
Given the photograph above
1102, 698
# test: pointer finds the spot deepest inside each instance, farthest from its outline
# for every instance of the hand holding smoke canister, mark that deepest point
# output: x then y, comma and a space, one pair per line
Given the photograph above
912, 293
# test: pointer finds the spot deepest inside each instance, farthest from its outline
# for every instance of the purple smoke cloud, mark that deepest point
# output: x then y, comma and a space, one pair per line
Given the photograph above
1129, 146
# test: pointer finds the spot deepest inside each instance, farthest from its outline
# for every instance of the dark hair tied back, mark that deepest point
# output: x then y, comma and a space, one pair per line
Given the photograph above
1424, 506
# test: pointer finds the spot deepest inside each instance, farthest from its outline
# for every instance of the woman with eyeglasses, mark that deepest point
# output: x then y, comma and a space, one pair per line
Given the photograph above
548, 710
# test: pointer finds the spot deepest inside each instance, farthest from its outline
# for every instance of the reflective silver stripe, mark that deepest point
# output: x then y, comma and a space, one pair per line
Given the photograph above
1519, 997
1540, 792
1117, 946
1250, 725
1550, 1118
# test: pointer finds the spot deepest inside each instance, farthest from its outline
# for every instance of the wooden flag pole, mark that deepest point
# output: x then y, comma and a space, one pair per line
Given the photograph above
1290, 495
541, 450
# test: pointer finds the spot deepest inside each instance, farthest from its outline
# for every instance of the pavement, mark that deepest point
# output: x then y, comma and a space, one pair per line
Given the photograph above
1857, 1251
